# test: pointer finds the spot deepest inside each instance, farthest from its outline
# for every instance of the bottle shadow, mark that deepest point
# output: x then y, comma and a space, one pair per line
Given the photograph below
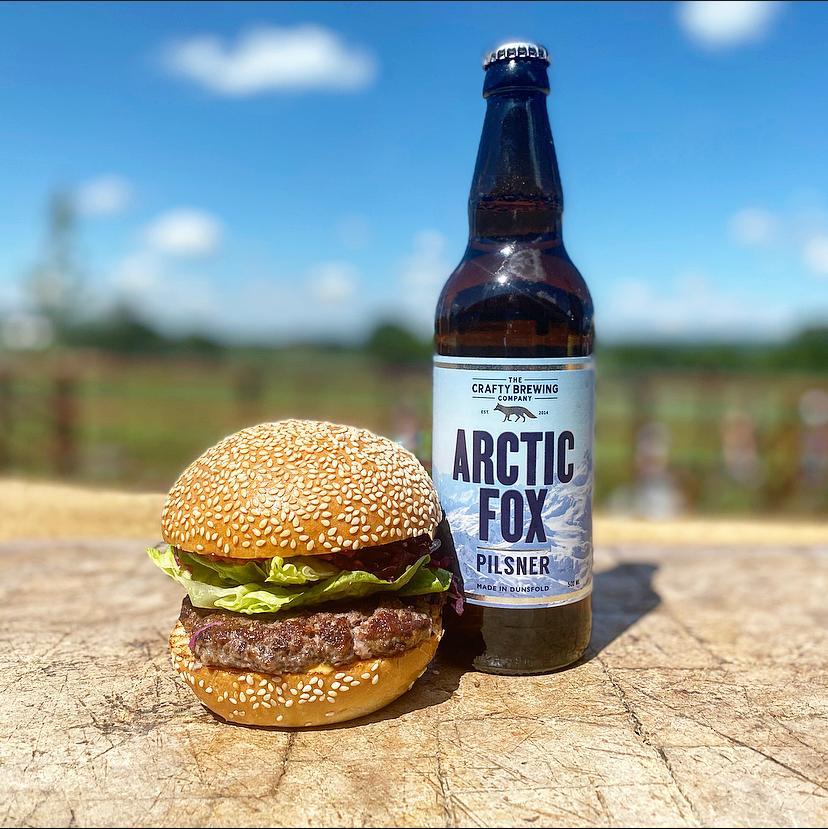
621, 597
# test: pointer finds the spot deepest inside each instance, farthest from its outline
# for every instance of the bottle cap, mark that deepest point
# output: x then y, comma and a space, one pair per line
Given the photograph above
516, 50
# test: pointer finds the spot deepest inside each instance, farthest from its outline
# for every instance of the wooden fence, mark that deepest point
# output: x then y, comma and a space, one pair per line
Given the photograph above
666, 442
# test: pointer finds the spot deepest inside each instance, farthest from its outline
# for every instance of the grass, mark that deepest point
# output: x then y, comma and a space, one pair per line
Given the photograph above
138, 422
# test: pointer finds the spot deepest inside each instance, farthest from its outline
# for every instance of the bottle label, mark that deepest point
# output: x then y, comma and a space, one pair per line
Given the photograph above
512, 463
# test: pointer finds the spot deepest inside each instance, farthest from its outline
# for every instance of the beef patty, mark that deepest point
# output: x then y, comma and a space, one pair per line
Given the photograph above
294, 642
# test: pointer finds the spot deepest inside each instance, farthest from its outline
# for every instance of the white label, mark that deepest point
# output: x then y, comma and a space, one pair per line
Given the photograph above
512, 462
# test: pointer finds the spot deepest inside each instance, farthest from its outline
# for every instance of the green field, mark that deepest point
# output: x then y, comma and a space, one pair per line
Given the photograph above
135, 422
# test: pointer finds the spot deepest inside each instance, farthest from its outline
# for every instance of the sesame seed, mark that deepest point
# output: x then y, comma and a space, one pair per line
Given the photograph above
275, 476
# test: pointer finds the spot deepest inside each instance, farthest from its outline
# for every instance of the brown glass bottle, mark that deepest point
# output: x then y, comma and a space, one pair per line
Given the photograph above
516, 294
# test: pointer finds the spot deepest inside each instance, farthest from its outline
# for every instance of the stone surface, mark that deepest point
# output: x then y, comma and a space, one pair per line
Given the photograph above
702, 701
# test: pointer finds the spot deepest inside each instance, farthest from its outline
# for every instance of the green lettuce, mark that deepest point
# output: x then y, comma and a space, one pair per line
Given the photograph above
297, 570
278, 584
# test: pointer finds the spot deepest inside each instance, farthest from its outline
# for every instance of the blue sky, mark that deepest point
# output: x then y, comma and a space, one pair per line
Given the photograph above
291, 170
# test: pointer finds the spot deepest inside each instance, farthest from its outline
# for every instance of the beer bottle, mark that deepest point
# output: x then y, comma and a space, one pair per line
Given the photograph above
513, 395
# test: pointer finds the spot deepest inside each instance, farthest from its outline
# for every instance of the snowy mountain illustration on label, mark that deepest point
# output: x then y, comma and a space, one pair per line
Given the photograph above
567, 521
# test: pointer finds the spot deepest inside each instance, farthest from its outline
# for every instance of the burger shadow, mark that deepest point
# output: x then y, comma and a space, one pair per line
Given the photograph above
436, 686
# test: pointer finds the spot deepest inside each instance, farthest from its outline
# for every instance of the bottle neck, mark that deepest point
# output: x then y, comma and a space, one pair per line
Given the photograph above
516, 190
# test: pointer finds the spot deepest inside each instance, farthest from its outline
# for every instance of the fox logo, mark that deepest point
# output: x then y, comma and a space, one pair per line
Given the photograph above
518, 412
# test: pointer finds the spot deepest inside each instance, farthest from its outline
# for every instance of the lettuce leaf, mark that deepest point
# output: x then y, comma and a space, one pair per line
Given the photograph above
277, 570
210, 584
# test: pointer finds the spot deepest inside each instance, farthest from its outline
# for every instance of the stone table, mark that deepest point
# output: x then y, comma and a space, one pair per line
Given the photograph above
702, 701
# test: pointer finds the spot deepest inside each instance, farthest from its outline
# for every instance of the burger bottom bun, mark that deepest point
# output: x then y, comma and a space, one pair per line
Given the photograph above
319, 696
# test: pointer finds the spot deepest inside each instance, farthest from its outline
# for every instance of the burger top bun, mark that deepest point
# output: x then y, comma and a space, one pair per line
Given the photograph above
299, 487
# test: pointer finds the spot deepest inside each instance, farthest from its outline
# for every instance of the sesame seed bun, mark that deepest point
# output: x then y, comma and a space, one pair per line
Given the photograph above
320, 696
299, 487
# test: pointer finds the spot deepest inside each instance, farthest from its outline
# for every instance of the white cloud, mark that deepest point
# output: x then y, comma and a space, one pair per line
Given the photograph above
693, 306
721, 23
103, 196
815, 254
185, 232
321, 303
182, 302
154, 280
156, 289
138, 273
333, 283
425, 267
270, 58
422, 275
23, 331
801, 232
754, 227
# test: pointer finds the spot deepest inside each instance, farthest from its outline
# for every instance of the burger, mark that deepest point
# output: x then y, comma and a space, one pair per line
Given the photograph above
314, 591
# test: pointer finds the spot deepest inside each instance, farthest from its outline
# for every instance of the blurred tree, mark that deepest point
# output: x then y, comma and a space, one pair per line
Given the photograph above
393, 344
805, 351
808, 350
54, 283
120, 330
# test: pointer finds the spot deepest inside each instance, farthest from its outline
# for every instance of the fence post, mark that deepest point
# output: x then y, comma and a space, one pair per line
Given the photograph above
250, 383
6, 416
64, 413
